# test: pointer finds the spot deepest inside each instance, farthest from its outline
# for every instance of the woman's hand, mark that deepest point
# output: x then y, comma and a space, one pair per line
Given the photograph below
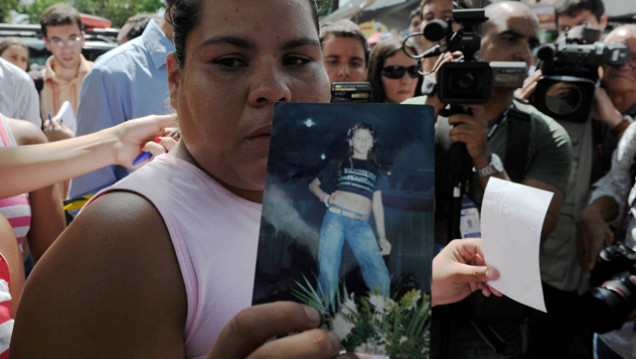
251, 333
460, 269
143, 134
326, 199
385, 246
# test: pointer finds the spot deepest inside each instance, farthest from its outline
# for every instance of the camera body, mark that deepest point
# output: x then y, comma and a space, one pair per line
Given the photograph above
613, 296
570, 73
351, 92
467, 80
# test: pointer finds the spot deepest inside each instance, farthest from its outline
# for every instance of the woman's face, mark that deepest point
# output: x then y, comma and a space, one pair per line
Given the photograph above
398, 90
17, 55
362, 143
241, 58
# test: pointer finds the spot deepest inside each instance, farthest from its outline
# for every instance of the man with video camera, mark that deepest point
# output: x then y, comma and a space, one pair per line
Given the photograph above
608, 201
594, 119
505, 139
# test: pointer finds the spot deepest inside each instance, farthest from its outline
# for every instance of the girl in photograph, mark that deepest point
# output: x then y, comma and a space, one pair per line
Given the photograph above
351, 188
393, 75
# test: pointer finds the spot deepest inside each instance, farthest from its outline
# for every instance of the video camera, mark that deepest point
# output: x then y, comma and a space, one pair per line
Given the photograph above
570, 72
467, 80
613, 296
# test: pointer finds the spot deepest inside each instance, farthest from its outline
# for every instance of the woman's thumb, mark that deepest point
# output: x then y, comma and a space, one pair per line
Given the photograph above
477, 273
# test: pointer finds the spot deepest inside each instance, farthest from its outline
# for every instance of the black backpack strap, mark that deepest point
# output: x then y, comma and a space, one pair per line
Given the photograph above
517, 144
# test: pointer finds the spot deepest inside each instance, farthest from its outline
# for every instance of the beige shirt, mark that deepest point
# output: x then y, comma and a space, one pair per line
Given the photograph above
56, 90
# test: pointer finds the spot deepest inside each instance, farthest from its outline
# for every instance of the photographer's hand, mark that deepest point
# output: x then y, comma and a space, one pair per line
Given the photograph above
595, 233
603, 109
529, 85
472, 130
433, 99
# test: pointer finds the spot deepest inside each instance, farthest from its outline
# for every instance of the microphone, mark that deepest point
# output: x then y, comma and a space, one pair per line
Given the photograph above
433, 51
436, 30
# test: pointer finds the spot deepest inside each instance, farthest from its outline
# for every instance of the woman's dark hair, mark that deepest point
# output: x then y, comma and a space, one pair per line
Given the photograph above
186, 16
349, 151
382, 51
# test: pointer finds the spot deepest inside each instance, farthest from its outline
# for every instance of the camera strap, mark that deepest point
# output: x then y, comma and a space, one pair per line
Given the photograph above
499, 122
517, 144
517, 140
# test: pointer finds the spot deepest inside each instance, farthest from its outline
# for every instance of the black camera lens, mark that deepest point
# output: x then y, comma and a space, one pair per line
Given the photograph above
608, 305
563, 98
464, 80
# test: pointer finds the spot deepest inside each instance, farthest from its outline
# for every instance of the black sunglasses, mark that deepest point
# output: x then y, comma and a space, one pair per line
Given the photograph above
397, 71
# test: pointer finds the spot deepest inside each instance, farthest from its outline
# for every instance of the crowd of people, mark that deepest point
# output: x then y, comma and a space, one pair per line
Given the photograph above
147, 270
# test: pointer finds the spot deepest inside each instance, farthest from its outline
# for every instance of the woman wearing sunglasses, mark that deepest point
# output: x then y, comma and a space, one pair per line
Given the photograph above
392, 74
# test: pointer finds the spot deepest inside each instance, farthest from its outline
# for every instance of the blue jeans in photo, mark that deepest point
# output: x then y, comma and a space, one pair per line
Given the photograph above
337, 228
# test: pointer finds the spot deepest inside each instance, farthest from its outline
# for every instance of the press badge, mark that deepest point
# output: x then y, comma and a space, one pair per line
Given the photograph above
469, 219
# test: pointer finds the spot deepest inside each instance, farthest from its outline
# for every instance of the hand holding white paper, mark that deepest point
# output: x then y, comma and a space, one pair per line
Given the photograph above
512, 216
66, 116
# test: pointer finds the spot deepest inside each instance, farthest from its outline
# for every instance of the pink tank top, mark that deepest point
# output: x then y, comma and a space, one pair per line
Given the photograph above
16, 209
215, 236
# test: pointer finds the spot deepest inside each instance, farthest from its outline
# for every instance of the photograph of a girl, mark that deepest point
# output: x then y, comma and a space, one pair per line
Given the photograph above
347, 221
351, 189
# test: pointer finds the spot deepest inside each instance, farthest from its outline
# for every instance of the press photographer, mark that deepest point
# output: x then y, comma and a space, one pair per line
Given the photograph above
570, 72
508, 140
563, 259
614, 194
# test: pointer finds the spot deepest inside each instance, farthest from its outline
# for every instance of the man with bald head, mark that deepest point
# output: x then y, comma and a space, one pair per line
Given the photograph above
612, 193
494, 134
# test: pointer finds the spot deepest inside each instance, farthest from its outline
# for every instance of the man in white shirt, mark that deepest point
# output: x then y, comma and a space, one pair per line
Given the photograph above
18, 96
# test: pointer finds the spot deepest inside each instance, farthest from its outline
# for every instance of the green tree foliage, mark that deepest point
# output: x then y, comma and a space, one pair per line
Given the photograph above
117, 11
5, 7
326, 7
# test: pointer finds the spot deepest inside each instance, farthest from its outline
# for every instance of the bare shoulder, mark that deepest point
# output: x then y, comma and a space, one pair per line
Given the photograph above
25, 132
110, 286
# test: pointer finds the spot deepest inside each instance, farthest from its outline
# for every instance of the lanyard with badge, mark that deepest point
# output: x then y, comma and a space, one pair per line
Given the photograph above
469, 222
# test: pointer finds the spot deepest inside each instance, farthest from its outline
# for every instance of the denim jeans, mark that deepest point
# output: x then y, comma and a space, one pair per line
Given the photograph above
335, 230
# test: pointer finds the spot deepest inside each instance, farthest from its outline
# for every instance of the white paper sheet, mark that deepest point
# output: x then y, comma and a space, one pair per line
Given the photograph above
512, 216
65, 115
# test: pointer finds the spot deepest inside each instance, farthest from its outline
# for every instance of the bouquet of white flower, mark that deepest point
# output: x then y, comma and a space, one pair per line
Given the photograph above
374, 324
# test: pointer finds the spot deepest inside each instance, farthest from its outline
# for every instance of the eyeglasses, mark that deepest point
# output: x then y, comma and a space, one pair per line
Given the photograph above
631, 62
70, 42
397, 71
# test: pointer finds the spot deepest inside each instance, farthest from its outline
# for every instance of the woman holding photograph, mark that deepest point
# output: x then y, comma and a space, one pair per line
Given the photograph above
351, 188
157, 265
162, 264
